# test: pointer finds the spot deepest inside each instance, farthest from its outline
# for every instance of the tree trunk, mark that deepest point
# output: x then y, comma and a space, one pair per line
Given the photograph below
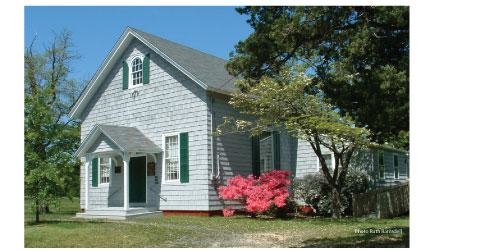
46, 209
37, 211
336, 204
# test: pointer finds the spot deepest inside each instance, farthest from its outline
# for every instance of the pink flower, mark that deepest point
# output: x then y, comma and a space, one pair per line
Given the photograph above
228, 212
257, 194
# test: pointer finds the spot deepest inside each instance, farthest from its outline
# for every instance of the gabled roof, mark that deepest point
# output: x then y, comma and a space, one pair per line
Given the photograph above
127, 139
204, 69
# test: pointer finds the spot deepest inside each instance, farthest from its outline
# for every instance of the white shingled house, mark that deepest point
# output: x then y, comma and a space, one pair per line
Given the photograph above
146, 144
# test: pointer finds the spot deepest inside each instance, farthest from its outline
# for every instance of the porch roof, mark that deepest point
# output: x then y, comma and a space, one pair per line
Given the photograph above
127, 139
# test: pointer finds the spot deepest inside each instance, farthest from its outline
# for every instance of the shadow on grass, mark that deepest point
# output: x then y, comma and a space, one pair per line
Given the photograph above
65, 222
363, 240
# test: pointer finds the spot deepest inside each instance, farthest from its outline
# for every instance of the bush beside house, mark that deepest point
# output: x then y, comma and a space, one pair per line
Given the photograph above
313, 190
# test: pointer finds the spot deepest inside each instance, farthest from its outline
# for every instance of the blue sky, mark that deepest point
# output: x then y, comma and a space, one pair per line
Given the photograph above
95, 30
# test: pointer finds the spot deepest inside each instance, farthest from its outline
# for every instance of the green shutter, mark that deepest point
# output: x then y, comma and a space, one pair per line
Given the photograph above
276, 150
145, 70
95, 175
184, 158
255, 156
125, 75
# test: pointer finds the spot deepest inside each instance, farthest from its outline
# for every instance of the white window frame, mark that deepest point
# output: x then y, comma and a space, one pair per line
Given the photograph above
318, 165
407, 164
394, 167
131, 75
99, 170
164, 176
271, 165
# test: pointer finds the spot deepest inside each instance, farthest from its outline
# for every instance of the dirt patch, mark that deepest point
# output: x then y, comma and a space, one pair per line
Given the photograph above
265, 240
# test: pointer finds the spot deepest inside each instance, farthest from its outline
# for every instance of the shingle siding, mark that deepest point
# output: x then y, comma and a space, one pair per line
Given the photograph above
169, 103
288, 152
234, 150
103, 144
307, 162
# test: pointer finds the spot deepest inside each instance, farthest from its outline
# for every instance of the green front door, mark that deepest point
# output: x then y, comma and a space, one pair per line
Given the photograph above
137, 180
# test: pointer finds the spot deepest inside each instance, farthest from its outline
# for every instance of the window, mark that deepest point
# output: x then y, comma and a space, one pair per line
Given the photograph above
406, 166
104, 170
381, 166
136, 72
171, 158
266, 154
396, 166
330, 162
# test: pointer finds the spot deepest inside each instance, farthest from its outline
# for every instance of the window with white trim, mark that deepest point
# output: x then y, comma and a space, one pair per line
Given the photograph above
396, 166
266, 154
171, 158
330, 162
381, 165
104, 170
136, 71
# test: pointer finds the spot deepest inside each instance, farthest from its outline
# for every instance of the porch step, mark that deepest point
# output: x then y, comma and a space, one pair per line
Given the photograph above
117, 213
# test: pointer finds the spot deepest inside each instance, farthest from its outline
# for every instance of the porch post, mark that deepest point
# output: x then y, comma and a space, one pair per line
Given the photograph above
126, 159
87, 164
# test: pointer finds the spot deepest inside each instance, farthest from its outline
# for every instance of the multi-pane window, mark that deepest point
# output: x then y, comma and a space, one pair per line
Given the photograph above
381, 165
104, 170
266, 154
136, 71
396, 167
171, 158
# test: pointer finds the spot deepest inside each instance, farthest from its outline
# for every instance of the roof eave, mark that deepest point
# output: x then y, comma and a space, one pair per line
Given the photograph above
91, 138
212, 89
103, 69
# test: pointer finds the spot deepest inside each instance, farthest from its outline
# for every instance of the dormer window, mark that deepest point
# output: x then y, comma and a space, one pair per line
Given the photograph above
136, 71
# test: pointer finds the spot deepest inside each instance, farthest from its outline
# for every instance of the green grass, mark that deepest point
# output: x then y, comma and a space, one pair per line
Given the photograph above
238, 231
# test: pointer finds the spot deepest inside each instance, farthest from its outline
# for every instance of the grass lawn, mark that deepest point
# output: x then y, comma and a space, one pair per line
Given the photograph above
60, 230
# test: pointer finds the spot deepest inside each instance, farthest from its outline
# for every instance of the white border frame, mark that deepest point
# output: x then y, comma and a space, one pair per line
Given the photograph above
164, 168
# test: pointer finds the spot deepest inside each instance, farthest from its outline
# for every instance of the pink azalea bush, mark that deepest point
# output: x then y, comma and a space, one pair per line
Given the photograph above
228, 212
258, 194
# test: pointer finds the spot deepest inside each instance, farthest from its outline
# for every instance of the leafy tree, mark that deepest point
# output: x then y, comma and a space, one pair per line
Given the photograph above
50, 137
359, 55
280, 102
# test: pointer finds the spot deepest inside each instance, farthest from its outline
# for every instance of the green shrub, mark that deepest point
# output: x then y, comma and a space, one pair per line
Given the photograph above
356, 182
314, 190
283, 212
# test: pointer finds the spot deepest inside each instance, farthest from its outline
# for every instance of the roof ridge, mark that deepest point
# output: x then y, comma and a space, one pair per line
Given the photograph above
175, 43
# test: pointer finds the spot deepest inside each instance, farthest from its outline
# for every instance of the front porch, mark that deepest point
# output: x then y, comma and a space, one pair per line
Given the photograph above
121, 178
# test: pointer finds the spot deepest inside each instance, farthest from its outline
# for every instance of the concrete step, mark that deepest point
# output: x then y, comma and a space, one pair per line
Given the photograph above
117, 213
